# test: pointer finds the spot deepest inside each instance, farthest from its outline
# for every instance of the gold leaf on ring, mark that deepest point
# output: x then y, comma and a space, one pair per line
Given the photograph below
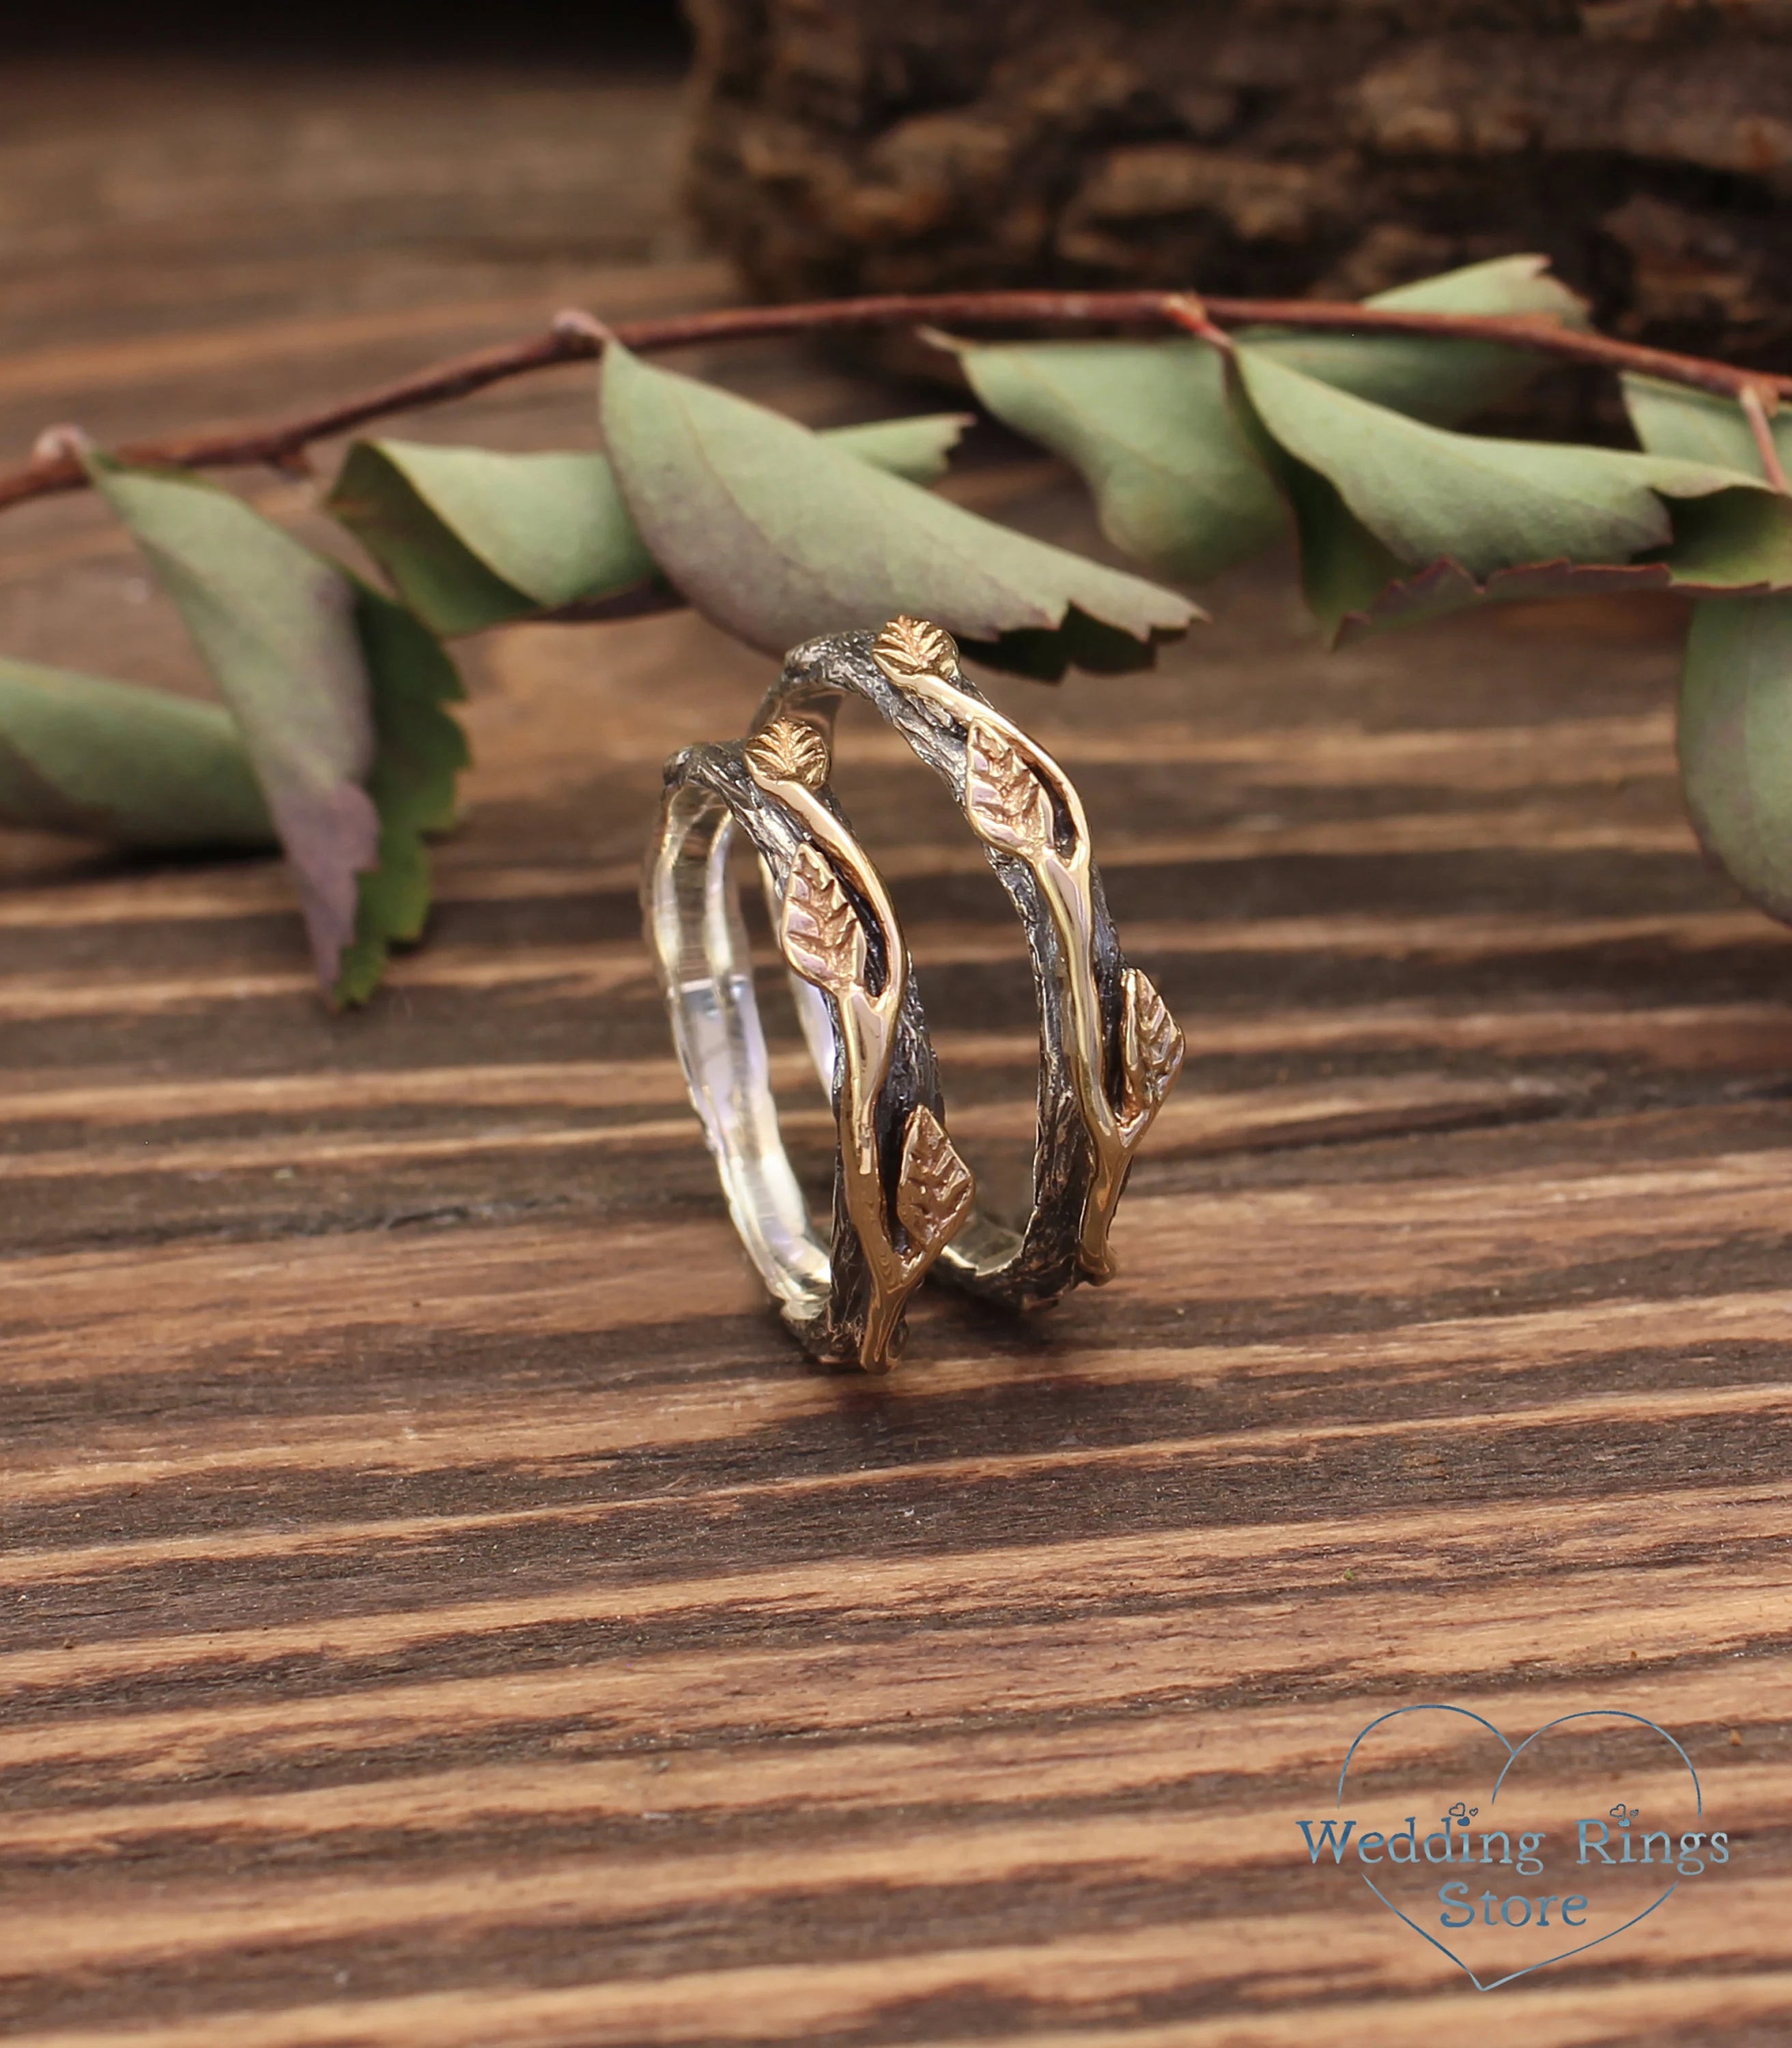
1008, 804
1151, 1047
789, 750
819, 931
934, 1194
915, 647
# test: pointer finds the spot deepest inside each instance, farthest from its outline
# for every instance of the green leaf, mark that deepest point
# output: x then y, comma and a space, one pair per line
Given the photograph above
1441, 382
1735, 701
915, 449
776, 536
1488, 504
136, 767
331, 693
1734, 540
1344, 567
1150, 428
1698, 426
418, 756
1736, 742
1486, 516
472, 538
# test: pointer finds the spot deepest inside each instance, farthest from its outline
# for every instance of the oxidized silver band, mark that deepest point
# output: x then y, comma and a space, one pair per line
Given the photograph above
900, 1190
1109, 1050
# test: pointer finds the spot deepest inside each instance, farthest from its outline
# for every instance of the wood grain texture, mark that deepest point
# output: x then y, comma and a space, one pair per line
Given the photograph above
440, 1608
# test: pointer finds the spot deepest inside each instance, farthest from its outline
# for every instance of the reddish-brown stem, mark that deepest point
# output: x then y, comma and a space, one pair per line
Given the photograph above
1186, 311
577, 337
1760, 424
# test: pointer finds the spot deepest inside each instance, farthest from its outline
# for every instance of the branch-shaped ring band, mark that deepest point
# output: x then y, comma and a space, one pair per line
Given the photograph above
1109, 1050
900, 1189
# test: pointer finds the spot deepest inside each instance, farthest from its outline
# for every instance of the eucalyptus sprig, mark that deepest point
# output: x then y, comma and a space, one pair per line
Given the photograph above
1202, 441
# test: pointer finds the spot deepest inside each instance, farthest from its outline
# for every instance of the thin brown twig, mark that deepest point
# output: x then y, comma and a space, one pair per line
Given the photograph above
1757, 410
578, 337
1188, 311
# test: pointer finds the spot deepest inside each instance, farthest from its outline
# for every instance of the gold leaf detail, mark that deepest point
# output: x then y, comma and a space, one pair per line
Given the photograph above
1008, 803
789, 750
915, 647
1151, 1048
934, 1194
818, 930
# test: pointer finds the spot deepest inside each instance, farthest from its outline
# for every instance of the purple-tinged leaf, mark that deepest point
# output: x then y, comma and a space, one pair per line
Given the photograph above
293, 643
472, 538
777, 536
1445, 587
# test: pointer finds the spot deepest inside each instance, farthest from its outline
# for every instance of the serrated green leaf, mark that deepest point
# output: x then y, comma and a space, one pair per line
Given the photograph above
331, 692
1149, 425
472, 538
1736, 742
1489, 504
776, 536
1466, 517
136, 767
1414, 596
1441, 382
1698, 426
1735, 541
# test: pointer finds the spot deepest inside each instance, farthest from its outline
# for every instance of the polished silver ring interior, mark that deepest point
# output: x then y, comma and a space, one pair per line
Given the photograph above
901, 1190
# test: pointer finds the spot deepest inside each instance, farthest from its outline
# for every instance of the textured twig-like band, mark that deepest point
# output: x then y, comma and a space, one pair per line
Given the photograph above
900, 1189
1109, 1050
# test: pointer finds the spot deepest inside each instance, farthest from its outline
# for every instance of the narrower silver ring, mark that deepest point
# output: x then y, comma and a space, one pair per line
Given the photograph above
900, 1189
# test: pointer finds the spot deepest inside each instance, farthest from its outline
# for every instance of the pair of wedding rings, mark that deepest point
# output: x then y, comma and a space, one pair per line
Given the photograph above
904, 1201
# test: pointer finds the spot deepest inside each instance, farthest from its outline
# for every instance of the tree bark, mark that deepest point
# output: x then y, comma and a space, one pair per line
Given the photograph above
1329, 147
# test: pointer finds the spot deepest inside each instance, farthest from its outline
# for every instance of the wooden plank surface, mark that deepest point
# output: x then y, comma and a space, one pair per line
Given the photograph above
442, 1609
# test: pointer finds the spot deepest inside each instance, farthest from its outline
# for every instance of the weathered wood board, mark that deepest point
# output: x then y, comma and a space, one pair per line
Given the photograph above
440, 1607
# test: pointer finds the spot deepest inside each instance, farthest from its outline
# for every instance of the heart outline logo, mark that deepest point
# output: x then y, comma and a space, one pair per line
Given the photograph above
1514, 1752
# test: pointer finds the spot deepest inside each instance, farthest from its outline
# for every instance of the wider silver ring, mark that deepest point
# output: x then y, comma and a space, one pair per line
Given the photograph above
1109, 1050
